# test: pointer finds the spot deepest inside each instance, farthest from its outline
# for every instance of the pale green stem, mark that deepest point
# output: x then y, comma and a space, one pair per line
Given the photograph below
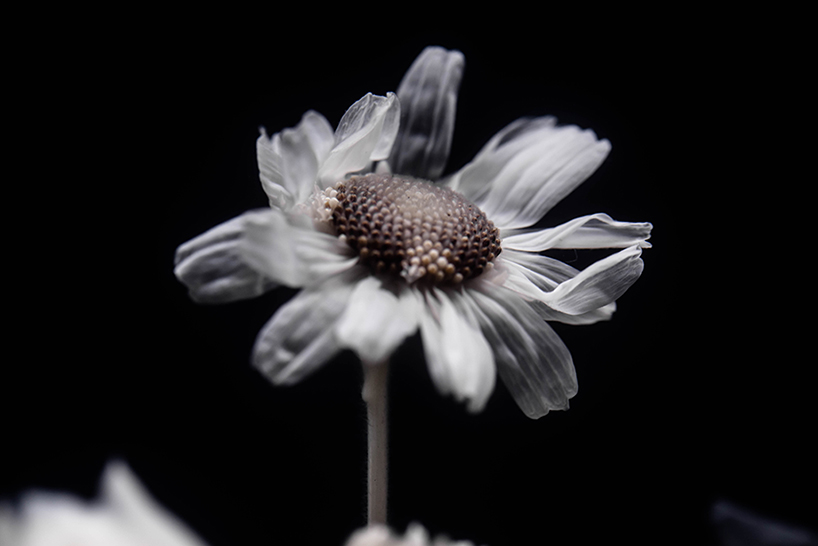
374, 394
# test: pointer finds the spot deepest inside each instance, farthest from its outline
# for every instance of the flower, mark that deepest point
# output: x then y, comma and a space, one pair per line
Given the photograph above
125, 515
380, 256
416, 535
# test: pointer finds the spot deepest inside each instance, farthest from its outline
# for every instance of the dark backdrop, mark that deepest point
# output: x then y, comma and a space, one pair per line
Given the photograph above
694, 392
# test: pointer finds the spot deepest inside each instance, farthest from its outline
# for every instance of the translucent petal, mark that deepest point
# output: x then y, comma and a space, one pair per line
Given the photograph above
364, 134
598, 284
428, 98
377, 321
460, 359
592, 231
532, 360
300, 336
212, 268
287, 249
288, 161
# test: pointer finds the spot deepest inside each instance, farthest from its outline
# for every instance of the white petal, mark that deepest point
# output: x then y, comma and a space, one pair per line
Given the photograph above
428, 98
139, 513
212, 268
592, 231
300, 336
533, 276
376, 321
460, 359
598, 284
364, 134
287, 249
532, 360
288, 161
474, 179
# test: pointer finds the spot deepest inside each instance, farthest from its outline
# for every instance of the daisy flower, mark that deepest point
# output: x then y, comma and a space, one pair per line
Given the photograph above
382, 247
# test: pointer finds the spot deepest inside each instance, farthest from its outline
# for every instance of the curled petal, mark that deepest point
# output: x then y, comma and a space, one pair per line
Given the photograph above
287, 249
532, 360
376, 321
532, 276
288, 161
592, 231
460, 359
428, 98
299, 338
365, 134
598, 284
212, 268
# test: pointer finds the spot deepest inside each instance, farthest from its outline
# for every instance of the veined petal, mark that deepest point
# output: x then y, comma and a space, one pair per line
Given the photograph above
598, 284
212, 268
288, 161
376, 321
428, 98
364, 134
541, 174
592, 231
460, 359
300, 336
532, 360
286, 248
474, 179
533, 276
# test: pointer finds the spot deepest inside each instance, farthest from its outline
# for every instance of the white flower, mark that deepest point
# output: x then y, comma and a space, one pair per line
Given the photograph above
125, 515
416, 535
368, 287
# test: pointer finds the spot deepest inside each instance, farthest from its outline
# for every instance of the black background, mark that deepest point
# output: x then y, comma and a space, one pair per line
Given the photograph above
695, 391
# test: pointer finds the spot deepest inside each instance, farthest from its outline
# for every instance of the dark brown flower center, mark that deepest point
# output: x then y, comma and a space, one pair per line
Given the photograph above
413, 228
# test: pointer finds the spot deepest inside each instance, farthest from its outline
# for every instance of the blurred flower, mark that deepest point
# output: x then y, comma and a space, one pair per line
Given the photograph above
737, 526
125, 515
416, 535
381, 255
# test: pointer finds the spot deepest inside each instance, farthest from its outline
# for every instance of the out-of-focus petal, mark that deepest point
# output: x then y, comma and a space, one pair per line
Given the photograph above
428, 99
376, 321
288, 161
592, 231
300, 337
212, 268
124, 515
460, 359
531, 359
365, 134
598, 284
287, 249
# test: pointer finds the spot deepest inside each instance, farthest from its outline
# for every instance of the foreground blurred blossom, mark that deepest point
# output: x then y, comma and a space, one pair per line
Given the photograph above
737, 526
124, 515
382, 252
416, 535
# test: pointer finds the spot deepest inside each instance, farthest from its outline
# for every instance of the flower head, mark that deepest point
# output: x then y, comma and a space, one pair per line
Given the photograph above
382, 247
416, 535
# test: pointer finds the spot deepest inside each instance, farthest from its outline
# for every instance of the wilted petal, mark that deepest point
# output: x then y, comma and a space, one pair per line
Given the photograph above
300, 336
460, 359
376, 321
288, 161
598, 284
212, 268
364, 134
532, 360
428, 99
286, 248
592, 231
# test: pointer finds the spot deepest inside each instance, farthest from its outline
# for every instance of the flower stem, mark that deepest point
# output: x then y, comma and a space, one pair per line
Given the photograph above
374, 394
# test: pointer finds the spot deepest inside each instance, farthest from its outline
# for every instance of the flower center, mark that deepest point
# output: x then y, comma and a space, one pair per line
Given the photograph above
411, 227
